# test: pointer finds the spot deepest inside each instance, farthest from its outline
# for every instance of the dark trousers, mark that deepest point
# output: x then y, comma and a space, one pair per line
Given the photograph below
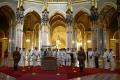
96, 61
81, 66
15, 64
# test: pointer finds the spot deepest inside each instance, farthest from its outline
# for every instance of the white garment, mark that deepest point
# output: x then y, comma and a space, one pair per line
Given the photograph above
68, 59
63, 54
112, 60
106, 57
90, 59
29, 55
22, 59
59, 58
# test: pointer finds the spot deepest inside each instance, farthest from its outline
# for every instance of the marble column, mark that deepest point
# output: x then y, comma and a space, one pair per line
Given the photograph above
94, 35
104, 36
94, 27
45, 29
69, 38
69, 21
10, 40
74, 39
39, 38
119, 34
45, 35
19, 35
19, 26
118, 11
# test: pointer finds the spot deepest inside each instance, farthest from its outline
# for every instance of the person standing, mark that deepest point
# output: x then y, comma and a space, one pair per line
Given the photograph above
29, 56
16, 58
90, 58
6, 53
106, 59
81, 59
22, 60
112, 59
96, 58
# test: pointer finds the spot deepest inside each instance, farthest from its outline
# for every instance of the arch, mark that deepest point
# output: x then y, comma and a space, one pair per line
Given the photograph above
9, 4
82, 9
107, 3
32, 9
52, 13
115, 34
30, 16
7, 17
57, 18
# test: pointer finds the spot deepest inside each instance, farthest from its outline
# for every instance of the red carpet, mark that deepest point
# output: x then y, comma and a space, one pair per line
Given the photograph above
62, 73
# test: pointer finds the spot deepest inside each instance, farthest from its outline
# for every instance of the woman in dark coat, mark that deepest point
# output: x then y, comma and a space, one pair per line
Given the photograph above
81, 59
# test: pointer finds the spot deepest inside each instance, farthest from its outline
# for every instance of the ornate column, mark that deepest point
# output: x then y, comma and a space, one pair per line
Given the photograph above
69, 21
118, 10
45, 28
74, 38
104, 36
19, 26
94, 27
39, 38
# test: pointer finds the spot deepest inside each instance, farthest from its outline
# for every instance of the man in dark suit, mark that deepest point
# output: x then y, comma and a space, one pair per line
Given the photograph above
16, 58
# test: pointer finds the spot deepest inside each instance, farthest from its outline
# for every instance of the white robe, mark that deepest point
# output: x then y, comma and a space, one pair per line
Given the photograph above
22, 59
59, 58
106, 57
63, 54
68, 59
29, 57
90, 59
112, 60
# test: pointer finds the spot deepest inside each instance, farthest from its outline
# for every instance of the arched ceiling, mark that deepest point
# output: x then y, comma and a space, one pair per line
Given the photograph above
56, 20
82, 18
7, 18
31, 20
108, 16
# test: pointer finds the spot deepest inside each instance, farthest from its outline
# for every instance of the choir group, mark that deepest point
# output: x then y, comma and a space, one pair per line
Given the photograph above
65, 57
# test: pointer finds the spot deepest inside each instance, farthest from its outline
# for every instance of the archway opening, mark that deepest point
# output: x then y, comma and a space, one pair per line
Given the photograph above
31, 28
82, 26
58, 30
109, 21
7, 21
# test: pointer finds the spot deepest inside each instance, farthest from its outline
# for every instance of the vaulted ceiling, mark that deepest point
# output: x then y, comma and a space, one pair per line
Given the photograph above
30, 20
108, 16
82, 19
56, 20
7, 18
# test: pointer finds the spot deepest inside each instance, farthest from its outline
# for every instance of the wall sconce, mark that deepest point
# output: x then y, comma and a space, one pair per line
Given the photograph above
4, 38
113, 39
27, 40
88, 41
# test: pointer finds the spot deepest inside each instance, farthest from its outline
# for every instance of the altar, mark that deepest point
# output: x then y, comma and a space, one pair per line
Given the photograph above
49, 63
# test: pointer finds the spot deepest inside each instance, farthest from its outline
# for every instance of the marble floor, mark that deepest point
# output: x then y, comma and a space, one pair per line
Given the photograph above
6, 77
99, 77
89, 77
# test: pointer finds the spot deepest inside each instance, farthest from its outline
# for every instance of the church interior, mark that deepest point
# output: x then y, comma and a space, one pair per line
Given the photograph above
60, 24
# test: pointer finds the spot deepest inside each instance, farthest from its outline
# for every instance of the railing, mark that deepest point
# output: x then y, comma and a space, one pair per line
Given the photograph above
56, 1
